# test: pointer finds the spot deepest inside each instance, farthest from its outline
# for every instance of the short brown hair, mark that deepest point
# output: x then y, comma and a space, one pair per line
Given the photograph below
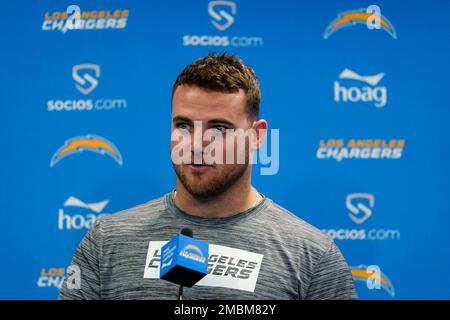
223, 73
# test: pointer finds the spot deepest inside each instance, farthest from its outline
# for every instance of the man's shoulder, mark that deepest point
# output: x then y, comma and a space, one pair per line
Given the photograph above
296, 230
137, 215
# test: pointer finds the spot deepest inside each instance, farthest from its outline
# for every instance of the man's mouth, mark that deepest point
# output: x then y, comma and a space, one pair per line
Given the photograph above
200, 166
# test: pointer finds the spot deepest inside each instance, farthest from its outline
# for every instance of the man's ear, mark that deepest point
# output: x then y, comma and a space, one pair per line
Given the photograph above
260, 127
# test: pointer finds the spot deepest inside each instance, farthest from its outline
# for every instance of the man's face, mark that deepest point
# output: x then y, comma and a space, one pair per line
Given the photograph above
216, 112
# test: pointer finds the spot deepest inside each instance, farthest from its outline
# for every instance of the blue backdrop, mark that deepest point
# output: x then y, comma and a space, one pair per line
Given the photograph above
362, 115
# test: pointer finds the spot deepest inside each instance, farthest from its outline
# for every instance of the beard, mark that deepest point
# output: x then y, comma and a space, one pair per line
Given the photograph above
209, 184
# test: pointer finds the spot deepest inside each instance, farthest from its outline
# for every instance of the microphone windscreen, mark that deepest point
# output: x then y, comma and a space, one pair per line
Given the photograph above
187, 232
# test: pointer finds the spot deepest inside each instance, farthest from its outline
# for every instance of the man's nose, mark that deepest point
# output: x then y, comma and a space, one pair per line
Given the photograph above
198, 145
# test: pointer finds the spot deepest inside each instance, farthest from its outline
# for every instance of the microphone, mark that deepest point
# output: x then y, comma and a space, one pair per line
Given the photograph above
188, 233
184, 260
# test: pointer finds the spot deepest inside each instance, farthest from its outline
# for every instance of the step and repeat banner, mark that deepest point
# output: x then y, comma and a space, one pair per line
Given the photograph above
358, 92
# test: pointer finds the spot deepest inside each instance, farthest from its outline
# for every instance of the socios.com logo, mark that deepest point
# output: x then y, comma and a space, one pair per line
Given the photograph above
374, 278
361, 16
360, 212
86, 79
366, 94
91, 143
222, 13
77, 214
223, 17
360, 208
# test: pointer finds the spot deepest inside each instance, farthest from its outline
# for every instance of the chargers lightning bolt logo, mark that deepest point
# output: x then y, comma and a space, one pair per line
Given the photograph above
358, 16
361, 273
89, 142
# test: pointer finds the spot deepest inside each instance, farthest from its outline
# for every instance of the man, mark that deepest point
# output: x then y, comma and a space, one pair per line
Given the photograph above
258, 250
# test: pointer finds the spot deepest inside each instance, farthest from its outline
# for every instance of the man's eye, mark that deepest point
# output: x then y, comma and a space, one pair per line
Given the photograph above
182, 125
221, 129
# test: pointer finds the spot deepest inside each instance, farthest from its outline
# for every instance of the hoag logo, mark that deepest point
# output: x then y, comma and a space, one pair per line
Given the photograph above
82, 215
370, 93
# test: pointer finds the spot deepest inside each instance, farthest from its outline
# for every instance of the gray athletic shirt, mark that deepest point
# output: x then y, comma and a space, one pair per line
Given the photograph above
265, 252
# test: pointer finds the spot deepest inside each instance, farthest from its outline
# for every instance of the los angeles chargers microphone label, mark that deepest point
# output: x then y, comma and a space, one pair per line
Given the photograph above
227, 267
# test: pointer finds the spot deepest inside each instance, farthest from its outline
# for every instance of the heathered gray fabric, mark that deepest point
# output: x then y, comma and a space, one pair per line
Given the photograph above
299, 262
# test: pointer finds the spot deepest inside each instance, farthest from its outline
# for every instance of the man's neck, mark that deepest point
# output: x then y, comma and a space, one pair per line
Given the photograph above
227, 204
